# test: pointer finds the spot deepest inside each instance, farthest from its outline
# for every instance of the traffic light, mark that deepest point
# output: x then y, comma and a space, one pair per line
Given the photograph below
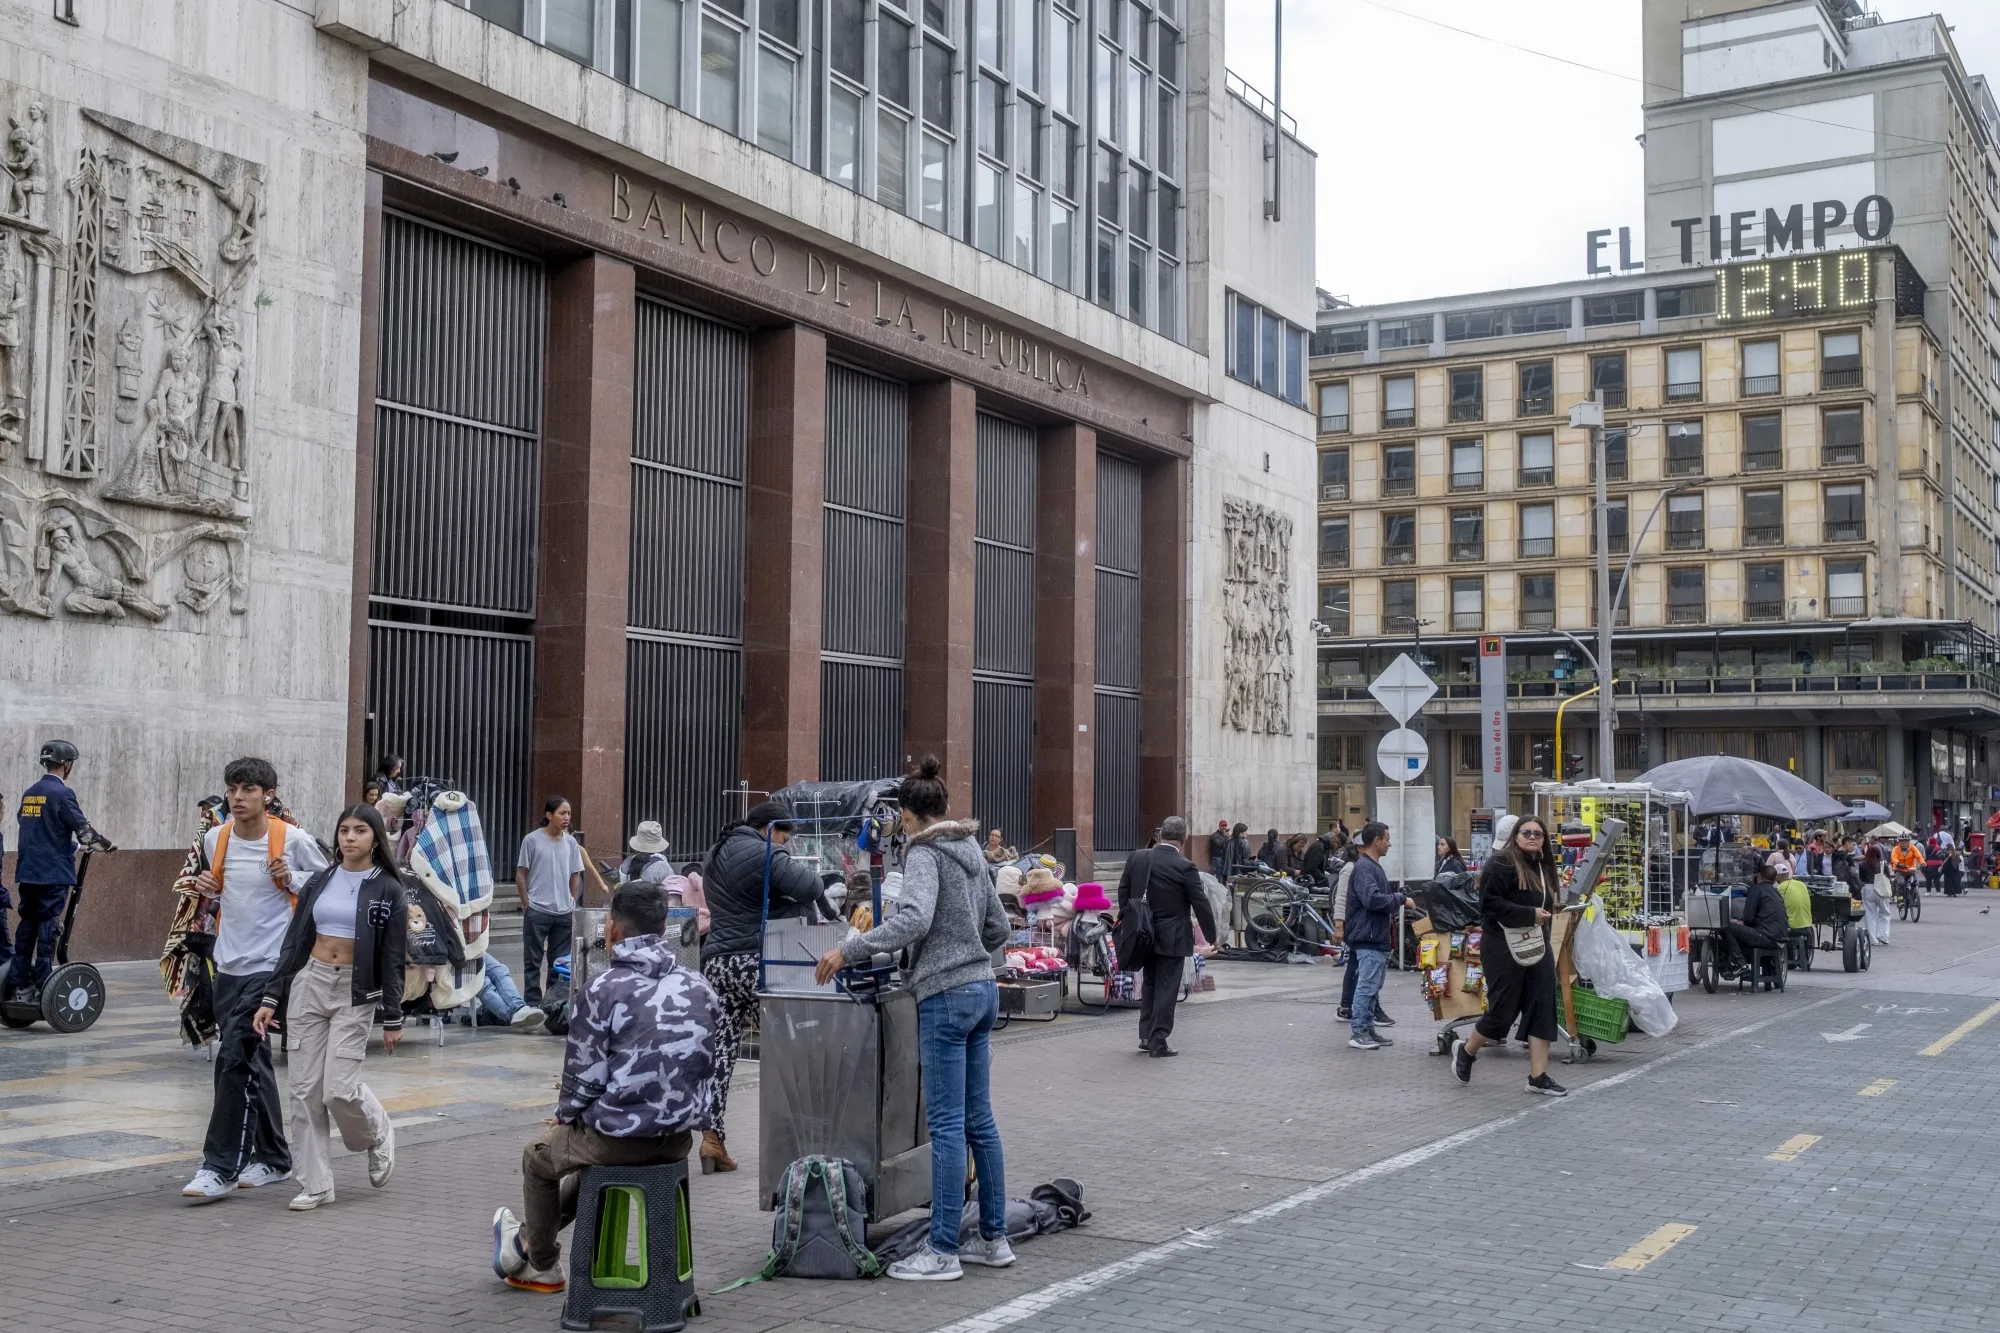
1572, 767
1543, 756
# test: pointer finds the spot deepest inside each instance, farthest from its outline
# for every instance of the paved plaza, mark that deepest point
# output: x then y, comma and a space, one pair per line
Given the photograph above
1746, 1172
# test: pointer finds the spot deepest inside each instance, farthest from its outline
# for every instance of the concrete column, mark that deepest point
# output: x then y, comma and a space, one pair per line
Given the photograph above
1576, 319
1066, 637
1163, 643
938, 626
1815, 757
1928, 786
1439, 775
359, 762
1649, 313
1896, 774
585, 548
782, 553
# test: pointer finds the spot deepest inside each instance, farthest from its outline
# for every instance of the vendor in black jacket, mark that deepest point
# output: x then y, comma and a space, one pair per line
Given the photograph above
1519, 891
744, 858
1763, 925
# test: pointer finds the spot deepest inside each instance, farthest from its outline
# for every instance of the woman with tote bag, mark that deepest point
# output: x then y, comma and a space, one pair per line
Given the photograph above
1519, 890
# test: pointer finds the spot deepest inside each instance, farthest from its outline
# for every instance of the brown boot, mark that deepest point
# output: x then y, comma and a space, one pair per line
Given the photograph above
714, 1157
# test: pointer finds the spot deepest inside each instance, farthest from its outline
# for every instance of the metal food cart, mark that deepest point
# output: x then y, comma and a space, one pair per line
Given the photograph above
1646, 874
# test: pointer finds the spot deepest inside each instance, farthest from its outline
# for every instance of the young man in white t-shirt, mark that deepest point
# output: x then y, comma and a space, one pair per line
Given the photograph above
548, 876
246, 1145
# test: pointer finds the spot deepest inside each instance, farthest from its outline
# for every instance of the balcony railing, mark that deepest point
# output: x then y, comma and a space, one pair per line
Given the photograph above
1331, 425
1467, 620
1847, 606
1831, 679
1686, 615
1334, 559
1336, 625
1619, 544
1686, 539
1468, 481
1538, 404
1538, 618
1473, 411
1399, 555
1846, 530
1688, 392
1840, 455
1763, 460
1473, 551
1684, 465
1537, 548
1333, 490
1764, 610
1538, 476
1840, 377
1758, 386
1764, 535
1614, 397
1398, 416
1399, 485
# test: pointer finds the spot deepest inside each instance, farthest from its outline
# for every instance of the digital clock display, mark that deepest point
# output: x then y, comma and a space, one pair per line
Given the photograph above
1795, 286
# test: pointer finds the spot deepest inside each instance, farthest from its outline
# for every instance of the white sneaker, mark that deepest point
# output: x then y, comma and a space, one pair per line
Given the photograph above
382, 1160
995, 1253
207, 1187
527, 1016
259, 1174
927, 1265
507, 1257
307, 1201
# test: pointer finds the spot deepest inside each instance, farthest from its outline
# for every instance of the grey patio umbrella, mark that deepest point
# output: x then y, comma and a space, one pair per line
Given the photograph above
1723, 784
1865, 809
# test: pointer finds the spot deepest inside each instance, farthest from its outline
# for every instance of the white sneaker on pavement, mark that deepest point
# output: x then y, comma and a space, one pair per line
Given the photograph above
207, 1187
527, 1016
507, 1257
259, 1174
995, 1253
382, 1160
307, 1201
927, 1265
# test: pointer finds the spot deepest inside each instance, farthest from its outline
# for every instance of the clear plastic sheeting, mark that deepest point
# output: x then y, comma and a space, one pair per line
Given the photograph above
1603, 956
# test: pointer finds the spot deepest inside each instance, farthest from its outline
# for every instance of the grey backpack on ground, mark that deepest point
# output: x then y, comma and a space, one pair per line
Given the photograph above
821, 1226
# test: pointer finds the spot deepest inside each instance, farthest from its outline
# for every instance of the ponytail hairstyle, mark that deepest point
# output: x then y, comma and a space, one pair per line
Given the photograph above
923, 793
384, 855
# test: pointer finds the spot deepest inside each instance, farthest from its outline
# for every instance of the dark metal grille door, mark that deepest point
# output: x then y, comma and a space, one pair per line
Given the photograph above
861, 635
1003, 663
1116, 780
684, 647
457, 518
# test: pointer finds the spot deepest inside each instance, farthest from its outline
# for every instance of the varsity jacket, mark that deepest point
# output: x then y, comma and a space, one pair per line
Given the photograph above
641, 1055
381, 939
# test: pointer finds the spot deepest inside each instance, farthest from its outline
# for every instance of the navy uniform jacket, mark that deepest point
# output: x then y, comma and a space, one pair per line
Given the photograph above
50, 820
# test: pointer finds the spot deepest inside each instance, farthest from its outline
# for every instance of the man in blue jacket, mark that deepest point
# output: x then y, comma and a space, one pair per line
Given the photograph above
52, 824
1370, 903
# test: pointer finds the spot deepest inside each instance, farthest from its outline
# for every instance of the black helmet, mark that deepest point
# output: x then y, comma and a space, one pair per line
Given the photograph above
57, 753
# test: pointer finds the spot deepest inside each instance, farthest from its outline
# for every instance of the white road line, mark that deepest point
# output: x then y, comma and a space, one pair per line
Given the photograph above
1009, 1313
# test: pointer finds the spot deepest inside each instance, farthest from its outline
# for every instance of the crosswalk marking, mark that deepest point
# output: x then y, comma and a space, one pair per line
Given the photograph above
1878, 1087
1652, 1247
1944, 1043
1789, 1150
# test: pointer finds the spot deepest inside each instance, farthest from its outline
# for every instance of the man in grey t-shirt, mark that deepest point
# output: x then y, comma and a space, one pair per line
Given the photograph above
548, 876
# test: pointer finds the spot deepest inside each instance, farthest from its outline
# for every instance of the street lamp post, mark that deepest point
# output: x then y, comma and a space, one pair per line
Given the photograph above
1591, 414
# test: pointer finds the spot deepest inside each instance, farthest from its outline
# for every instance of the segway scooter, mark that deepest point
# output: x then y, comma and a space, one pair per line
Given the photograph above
74, 995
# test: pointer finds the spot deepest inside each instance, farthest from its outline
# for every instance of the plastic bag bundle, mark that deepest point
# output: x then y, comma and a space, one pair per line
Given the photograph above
1602, 955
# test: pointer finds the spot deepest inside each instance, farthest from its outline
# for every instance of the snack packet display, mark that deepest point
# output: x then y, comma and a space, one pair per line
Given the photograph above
1475, 980
1458, 944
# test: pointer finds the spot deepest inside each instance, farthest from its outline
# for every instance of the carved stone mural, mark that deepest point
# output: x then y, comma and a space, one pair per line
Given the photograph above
1257, 616
126, 311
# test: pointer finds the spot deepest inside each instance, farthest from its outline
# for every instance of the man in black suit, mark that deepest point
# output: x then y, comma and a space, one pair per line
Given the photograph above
1168, 882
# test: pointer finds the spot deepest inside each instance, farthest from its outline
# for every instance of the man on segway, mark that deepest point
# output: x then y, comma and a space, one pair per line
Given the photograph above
52, 824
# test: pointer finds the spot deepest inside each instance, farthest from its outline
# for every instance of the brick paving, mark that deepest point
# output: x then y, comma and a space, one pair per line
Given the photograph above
1885, 1217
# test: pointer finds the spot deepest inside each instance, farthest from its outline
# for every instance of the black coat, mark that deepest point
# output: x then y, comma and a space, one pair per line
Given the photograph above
1314, 867
733, 882
1172, 888
1764, 913
381, 941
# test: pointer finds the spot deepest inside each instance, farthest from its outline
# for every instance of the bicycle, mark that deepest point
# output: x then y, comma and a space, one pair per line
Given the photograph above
1279, 914
1909, 898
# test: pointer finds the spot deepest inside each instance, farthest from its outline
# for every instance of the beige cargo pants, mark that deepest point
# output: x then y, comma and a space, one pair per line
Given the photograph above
327, 1037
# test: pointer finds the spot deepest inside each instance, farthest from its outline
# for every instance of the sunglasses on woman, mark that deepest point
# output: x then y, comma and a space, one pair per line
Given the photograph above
1529, 833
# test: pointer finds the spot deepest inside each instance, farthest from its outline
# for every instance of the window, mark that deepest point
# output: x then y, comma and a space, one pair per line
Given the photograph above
936, 170
1857, 751
1617, 521
1468, 465
1687, 596
1607, 377
1267, 351
1840, 436
1399, 402
1624, 612
1471, 754
1468, 604
1333, 474
1333, 607
1839, 360
1764, 592
1845, 521
892, 161
1399, 469
1538, 388
1764, 517
1025, 199
1763, 442
1685, 302
656, 49
1413, 332
1332, 408
1538, 460
1760, 368
1683, 374
1613, 308
1468, 534
1684, 455
1468, 394
1846, 597
1399, 539
567, 27
1333, 543
1506, 321
1617, 454
1399, 604
721, 52
1684, 523
1538, 601
1340, 339
843, 146
1538, 531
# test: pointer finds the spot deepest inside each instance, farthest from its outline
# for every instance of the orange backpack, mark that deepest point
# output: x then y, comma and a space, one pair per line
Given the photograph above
277, 849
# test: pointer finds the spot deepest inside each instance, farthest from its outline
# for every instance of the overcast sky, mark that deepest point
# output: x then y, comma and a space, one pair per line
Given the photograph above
1450, 164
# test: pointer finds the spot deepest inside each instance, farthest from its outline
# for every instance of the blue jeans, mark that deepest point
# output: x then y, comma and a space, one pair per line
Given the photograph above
35, 934
498, 997
1368, 966
955, 1029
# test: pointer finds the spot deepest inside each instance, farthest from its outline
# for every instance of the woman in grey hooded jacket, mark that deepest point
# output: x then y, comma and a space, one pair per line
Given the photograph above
951, 921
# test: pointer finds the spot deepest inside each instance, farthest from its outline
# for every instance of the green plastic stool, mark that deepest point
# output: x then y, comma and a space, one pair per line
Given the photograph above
632, 1253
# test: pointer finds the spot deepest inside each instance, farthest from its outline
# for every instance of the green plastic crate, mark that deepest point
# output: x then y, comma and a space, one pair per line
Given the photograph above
1599, 1018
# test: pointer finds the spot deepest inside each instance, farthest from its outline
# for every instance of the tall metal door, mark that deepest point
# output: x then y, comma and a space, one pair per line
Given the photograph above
1003, 613
1116, 781
684, 623
451, 606
861, 626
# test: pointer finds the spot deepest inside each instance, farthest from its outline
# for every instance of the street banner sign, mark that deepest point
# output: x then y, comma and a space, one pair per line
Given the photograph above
1493, 722
1402, 755
1403, 689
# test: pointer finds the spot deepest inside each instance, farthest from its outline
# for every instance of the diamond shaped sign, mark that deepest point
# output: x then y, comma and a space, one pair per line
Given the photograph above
1403, 689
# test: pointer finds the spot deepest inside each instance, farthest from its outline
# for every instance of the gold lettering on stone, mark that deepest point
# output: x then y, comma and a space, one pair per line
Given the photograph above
1061, 361
720, 253
986, 339
700, 230
840, 285
815, 275
1082, 384
1009, 344
903, 316
621, 198
950, 320
770, 266
655, 214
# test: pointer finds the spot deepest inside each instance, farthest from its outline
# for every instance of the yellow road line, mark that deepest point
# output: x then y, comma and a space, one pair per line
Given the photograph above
1877, 1088
1789, 1150
1652, 1247
1944, 1043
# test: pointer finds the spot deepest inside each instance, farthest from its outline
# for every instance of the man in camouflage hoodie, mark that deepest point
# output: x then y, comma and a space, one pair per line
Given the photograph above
635, 1083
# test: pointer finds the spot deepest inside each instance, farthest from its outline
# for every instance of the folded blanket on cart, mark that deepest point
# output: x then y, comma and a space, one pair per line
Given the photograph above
1039, 958
450, 855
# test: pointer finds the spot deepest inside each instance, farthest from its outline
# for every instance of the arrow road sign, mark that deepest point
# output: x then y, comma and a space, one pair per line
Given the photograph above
1403, 689
1852, 1034
1402, 755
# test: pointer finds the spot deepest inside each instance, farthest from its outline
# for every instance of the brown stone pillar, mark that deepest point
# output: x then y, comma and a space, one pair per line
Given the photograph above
580, 606
1066, 637
942, 516
783, 546
1163, 643
359, 762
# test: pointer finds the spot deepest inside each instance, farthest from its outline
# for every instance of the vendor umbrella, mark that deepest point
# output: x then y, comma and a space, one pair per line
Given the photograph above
1889, 830
1866, 809
1724, 784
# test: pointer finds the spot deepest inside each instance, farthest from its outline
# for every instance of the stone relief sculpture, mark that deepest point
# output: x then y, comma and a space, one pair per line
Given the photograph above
1258, 648
126, 264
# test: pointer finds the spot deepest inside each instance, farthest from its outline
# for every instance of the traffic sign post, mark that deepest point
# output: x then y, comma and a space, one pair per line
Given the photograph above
1402, 690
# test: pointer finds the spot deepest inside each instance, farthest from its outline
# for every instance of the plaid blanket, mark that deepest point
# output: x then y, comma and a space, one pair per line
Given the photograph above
450, 854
